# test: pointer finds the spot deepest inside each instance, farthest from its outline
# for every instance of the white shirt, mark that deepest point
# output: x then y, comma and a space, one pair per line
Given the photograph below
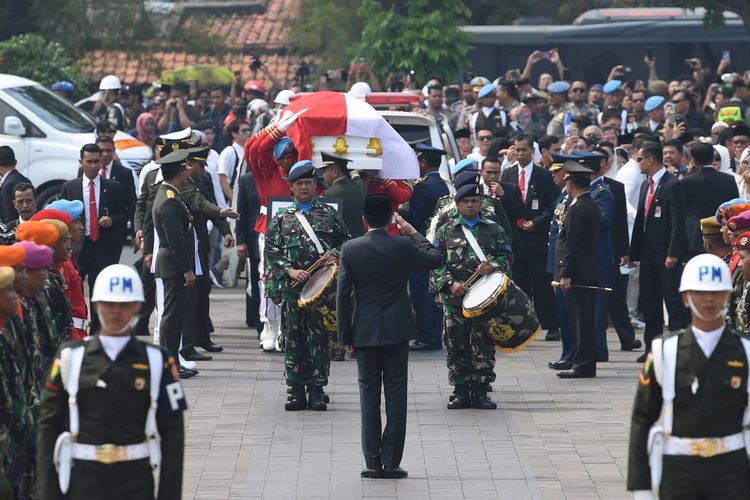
632, 178
653, 125
228, 160
527, 178
107, 169
708, 340
97, 190
211, 167
476, 156
113, 346
657, 177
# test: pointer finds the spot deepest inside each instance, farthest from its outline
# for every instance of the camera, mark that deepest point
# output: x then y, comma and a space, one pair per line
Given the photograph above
256, 63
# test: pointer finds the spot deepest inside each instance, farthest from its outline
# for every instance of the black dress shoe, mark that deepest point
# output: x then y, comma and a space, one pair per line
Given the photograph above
372, 473
632, 347
338, 355
421, 346
210, 346
552, 335
193, 355
185, 373
642, 358
394, 473
576, 374
561, 365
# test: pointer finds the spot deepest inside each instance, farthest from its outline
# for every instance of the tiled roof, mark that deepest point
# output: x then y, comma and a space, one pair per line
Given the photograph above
244, 34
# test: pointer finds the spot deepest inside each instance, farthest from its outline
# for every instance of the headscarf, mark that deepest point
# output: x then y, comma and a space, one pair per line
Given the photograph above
140, 127
724, 154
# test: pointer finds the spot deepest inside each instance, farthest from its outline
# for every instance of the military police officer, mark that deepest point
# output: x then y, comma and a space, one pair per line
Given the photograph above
686, 437
297, 237
112, 408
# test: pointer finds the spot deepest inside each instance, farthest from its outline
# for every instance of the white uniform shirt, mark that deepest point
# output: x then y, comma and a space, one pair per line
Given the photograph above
708, 340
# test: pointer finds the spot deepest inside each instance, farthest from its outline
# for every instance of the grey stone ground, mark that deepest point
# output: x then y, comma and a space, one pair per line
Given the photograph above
549, 438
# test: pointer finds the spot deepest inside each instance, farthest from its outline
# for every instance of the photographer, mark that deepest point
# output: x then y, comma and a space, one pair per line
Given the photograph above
178, 114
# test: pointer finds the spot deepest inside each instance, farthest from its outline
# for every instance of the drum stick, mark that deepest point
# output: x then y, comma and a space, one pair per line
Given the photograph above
605, 289
475, 276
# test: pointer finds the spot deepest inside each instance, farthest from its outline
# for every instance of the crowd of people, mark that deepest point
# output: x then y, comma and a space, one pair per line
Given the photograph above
589, 196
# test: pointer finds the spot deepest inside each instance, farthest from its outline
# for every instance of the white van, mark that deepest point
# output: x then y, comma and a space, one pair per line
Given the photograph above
47, 132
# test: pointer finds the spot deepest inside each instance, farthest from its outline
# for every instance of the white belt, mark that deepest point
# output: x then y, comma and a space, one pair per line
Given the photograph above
110, 453
80, 323
704, 447
263, 210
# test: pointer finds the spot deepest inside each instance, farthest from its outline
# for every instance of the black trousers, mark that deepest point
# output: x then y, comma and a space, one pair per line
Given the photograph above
427, 315
529, 273
252, 304
618, 308
91, 261
149, 293
170, 328
723, 476
581, 311
386, 365
657, 284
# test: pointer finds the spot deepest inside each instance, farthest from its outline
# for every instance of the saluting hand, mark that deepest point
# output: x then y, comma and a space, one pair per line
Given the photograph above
404, 227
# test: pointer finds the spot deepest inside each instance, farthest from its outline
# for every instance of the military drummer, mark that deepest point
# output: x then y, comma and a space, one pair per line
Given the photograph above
297, 237
691, 404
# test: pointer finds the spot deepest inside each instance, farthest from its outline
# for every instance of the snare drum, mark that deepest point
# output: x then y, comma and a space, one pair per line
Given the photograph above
315, 286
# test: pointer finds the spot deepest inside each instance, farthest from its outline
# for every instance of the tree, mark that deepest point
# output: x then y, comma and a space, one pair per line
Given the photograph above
715, 9
418, 35
20, 56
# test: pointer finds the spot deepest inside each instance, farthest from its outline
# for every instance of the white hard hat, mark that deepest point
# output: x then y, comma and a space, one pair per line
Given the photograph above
118, 283
706, 273
257, 104
359, 90
284, 97
110, 82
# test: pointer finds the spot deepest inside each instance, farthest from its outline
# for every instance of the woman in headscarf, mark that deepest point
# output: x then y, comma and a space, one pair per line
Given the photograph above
743, 174
145, 127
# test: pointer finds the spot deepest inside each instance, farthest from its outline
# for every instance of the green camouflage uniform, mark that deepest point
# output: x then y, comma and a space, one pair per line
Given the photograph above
470, 351
447, 213
288, 247
54, 290
738, 289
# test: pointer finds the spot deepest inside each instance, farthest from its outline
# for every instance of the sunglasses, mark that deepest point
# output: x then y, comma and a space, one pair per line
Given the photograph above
578, 89
484, 138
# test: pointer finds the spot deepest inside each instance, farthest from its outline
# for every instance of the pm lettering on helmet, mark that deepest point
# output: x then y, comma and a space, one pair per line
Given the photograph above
712, 272
123, 284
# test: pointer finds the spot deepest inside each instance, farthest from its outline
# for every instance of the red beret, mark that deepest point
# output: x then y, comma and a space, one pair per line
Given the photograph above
51, 213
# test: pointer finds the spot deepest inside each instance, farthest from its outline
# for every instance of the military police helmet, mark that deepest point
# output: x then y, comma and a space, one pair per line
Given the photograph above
118, 283
707, 273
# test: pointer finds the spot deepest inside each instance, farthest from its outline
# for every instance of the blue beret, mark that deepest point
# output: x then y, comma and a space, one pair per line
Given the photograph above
487, 90
653, 102
422, 148
74, 208
466, 177
558, 87
612, 86
465, 164
597, 86
301, 170
284, 146
724, 206
468, 190
64, 87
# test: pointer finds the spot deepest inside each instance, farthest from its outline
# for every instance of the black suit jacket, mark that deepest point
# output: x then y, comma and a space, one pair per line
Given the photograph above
353, 201
248, 206
576, 254
6, 194
705, 190
539, 205
662, 233
372, 304
111, 202
514, 208
124, 176
618, 228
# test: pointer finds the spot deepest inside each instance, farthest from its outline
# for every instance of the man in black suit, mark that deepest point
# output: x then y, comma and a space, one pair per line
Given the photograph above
539, 193
248, 206
24, 201
705, 190
104, 214
374, 271
9, 177
658, 243
339, 185
577, 263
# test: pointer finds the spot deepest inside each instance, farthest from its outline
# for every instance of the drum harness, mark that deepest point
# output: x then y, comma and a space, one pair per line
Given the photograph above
660, 440
474, 244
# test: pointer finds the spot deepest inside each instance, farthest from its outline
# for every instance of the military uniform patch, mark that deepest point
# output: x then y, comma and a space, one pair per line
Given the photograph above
170, 193
735, 382
735, 364
140, 383
140, 366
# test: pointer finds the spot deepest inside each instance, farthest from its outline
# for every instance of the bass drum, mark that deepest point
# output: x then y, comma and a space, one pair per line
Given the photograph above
505, 312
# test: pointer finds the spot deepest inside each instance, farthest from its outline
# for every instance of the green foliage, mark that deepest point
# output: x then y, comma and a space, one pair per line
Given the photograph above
22, 56
195, 39
327, 29
419, 35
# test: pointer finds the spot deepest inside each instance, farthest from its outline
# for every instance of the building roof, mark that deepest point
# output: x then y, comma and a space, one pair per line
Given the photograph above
245, 34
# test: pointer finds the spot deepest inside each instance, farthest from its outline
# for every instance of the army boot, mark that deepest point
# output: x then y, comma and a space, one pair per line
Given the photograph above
479, 398
296, 400
461, 398
317, 399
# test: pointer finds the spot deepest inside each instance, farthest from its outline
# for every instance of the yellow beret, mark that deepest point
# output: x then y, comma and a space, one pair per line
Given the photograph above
60, 226
7, 275
11, 255
37, 232
710, 225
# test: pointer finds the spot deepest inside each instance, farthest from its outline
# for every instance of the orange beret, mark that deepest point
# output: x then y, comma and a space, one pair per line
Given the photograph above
11, 255
38, 232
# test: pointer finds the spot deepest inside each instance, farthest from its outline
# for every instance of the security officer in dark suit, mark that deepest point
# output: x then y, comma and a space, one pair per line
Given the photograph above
425, 195
248, 206
339, 185
175, 259
577, 263
690, 411
9, 177
372, 284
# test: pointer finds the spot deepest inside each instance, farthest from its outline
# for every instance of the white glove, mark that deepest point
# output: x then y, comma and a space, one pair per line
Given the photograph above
287, 119
643, 495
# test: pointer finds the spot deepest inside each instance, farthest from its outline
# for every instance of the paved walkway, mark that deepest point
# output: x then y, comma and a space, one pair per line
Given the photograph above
549, 438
